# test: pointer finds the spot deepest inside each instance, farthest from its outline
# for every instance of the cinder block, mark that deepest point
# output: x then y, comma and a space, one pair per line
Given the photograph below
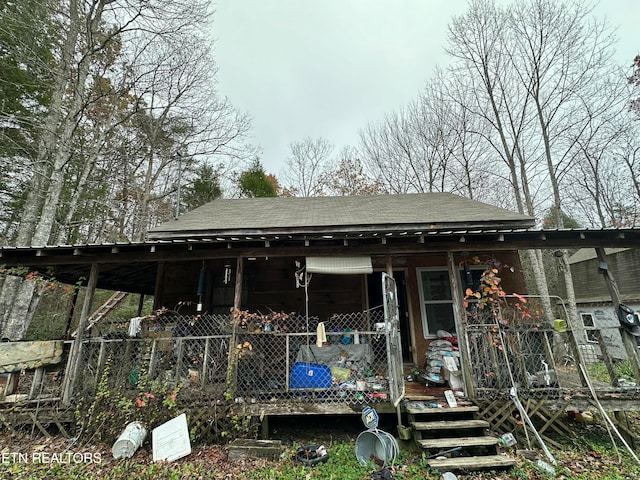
247, 448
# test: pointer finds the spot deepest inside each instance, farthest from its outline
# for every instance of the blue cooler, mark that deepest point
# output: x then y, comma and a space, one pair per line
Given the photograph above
310, 375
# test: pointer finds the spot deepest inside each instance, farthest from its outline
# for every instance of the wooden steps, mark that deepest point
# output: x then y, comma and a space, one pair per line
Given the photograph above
438, 411
454, 439
449, 425
480, 462
447, 443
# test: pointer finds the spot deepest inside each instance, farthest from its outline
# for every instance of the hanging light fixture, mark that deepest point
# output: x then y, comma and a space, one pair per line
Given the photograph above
227, 274
201, 281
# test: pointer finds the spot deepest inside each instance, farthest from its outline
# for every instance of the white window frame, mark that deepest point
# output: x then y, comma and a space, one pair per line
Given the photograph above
461, 281
589, 328
423, 302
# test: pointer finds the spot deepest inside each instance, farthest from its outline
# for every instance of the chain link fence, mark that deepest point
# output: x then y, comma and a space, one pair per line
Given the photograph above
520, 345
268, 358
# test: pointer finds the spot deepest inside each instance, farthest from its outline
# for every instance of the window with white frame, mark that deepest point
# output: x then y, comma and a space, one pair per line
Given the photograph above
436, 301
589, 324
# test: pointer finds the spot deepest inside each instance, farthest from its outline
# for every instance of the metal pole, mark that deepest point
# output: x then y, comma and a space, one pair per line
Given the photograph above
179, 182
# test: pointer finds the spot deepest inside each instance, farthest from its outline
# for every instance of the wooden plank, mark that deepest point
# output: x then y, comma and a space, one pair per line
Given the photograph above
472, 463
35, 421
418, 397
62, 430
458, 442
437, 411
17, 356
450, 425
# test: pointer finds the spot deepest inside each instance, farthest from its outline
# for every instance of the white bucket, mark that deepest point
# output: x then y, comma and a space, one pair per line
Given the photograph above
129, 440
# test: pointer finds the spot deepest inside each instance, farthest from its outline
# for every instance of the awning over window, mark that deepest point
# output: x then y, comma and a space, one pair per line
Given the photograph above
339, 265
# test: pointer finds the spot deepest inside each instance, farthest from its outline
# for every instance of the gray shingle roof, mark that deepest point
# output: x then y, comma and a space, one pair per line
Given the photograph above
429, 211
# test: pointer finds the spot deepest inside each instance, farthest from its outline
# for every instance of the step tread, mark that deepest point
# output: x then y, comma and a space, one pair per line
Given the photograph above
450, 424
451, 442
472, 463
438, 410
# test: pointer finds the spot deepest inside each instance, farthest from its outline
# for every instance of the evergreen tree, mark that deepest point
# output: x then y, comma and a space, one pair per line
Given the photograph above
254, 182
204, 188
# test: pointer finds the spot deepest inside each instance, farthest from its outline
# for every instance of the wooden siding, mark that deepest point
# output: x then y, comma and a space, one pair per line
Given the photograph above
269, 285
590, 286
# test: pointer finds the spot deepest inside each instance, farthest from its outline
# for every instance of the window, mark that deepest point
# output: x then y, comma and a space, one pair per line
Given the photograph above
437, 304
589, 327
436, 299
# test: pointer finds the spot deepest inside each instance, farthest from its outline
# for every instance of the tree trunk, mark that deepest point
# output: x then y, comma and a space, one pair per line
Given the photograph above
18, 296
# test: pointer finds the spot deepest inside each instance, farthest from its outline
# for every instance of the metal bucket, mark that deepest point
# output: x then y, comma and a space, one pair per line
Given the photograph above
129, 440
376, 446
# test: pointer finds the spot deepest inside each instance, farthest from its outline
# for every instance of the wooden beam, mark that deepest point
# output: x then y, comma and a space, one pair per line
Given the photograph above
459, 316
629, 341
74, 355
237, 296
159, 288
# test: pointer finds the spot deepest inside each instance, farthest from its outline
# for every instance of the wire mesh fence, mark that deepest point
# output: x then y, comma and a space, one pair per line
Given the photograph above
520, 345
266, 358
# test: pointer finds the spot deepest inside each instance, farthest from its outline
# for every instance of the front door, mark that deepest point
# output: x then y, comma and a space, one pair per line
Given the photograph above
374, 284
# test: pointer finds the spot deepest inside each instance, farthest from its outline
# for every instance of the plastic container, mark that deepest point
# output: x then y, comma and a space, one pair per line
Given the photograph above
129, 440
508, 440
310, 375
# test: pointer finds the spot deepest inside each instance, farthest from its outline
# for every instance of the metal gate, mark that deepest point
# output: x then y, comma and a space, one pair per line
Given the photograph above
392, 332
518, 346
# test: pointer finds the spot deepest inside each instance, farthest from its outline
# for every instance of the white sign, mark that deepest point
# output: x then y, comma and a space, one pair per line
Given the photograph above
171, 440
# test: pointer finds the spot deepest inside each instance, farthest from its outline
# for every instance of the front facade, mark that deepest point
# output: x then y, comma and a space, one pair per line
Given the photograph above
391, 233
356, 286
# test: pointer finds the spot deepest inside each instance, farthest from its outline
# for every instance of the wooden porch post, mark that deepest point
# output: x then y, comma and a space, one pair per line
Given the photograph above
232, 359
461, 326
237, 295
140, 305
74, 354
159, 289
628, 340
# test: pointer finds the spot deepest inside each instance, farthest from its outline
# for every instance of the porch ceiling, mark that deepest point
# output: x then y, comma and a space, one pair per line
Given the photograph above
132, 266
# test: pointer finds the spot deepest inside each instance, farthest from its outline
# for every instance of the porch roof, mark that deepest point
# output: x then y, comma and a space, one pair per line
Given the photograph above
132, 266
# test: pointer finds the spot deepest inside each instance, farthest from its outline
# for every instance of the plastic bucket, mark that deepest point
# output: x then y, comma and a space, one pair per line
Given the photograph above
376, 446
129, 440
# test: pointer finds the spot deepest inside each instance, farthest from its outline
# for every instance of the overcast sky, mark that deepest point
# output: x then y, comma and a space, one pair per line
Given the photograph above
325, 68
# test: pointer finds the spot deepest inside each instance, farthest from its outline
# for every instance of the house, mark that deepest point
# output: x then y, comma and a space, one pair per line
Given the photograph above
319, 303
389, 233
595, 307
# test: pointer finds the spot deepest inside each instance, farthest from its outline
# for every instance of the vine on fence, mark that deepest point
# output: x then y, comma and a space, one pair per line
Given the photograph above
104, 415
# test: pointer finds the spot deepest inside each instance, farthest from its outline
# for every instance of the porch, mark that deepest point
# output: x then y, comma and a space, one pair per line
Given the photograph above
281, 370
278, 364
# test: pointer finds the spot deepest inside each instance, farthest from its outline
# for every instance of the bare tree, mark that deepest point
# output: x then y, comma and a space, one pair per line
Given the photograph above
139, 70
307, 169
350, 177
597, 185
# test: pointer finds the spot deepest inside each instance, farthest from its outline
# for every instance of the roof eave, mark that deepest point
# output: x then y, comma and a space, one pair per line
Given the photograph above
345, 230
